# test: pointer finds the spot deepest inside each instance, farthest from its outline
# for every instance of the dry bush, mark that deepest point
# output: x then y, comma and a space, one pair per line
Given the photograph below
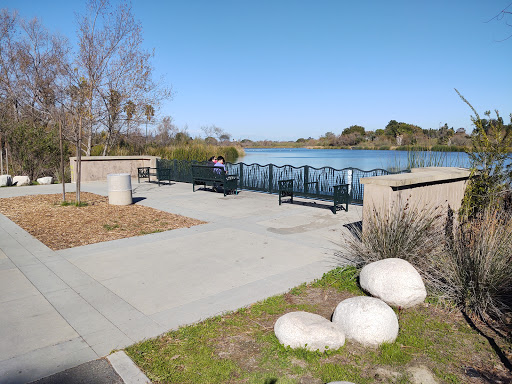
476, 269
404, 231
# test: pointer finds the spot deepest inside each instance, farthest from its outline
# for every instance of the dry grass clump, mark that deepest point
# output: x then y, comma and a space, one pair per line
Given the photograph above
477, 266
60, 227
404, 231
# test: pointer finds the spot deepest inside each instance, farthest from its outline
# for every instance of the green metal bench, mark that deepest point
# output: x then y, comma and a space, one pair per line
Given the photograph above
163, 174
340, 195
214, 176
145, 173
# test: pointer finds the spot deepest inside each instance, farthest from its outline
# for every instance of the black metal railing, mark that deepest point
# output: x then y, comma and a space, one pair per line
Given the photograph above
265, 178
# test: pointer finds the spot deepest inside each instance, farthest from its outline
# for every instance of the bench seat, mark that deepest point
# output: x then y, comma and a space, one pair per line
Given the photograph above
340, 195
214, 176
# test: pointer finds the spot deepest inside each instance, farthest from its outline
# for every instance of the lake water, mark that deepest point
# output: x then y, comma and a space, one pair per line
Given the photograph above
346, 158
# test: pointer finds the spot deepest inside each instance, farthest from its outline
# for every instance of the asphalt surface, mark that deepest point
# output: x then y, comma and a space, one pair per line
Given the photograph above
94, 372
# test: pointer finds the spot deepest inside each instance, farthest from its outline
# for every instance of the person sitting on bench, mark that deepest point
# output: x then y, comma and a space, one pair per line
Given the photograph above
219, 166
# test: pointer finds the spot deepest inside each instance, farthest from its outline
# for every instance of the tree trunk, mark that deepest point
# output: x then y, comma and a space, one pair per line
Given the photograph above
79, 161
62, 164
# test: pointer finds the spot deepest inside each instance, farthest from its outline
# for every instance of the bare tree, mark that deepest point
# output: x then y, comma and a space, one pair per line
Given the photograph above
112, 61
505, 16
166, 130
31, 68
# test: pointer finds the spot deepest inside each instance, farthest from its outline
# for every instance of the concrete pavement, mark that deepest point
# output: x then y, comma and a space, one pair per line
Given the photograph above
60, 309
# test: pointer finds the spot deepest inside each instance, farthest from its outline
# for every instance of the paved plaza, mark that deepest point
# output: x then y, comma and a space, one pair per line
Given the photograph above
59, 309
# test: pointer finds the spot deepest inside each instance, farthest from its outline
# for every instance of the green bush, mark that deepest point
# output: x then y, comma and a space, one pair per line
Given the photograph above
34, 150
490, 148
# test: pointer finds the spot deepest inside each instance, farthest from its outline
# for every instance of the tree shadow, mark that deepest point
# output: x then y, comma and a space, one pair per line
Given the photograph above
355, 229
503, 358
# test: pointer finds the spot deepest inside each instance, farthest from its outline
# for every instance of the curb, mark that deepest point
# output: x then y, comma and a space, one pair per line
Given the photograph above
126, 368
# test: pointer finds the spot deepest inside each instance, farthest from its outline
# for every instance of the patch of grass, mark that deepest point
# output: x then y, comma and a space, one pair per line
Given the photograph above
74, 203
111, 227
392, 354
150, 232
336, 372
299, 290
241, 347
342, 279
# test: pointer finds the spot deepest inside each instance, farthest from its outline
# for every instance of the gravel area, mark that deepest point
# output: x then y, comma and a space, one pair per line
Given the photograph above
60, 227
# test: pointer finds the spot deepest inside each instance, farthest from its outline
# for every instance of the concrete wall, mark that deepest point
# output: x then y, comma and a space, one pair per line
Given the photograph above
423, 187
98, 167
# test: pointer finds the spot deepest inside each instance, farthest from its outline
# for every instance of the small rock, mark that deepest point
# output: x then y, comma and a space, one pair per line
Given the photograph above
21, 180
422, 375
5, 180
394, 281
340, 382
45, 180
308, 330
366, 320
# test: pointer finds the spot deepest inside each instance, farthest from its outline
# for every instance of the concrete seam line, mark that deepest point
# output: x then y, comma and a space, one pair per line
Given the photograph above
126, 368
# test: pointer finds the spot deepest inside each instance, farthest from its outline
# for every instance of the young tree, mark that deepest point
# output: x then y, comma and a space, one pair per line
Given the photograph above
488, 154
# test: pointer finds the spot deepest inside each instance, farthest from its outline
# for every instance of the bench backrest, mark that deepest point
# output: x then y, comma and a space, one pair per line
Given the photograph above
207, 172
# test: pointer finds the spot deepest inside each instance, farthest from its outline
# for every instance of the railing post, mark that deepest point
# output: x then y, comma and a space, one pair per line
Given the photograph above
241, 174
270, 177
306, 178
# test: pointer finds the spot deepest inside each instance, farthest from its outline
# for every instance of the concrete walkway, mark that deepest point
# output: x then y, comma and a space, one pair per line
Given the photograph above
59, 309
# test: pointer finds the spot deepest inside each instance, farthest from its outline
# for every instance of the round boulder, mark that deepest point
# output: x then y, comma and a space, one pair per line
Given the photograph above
308, 330
394, 281
366, 320
21, 180
45, 180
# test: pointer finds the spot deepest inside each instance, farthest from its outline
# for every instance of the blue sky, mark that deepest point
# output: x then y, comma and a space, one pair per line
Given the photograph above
284, 69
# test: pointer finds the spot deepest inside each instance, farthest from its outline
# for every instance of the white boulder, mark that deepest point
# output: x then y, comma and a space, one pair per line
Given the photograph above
45, 180
308, 330
5, 180
394, 281
366, 320
21, 180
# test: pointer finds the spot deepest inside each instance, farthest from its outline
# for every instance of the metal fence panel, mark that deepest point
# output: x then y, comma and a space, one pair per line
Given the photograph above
265, 178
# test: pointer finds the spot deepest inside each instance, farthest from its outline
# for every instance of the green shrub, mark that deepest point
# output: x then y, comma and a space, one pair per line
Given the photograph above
33, 150
490, 148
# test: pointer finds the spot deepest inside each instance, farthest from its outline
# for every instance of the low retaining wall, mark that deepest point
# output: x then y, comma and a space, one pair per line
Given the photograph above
96, 168
423, 187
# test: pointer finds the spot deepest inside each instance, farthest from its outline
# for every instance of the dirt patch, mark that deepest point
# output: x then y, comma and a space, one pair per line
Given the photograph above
60, 227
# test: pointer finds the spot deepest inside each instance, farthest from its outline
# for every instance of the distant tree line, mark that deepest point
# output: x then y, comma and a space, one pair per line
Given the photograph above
394, 135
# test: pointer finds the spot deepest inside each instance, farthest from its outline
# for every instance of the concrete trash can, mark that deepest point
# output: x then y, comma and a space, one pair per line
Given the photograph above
119, 188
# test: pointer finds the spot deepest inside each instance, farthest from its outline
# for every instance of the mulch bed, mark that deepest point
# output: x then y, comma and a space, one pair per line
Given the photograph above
60, 227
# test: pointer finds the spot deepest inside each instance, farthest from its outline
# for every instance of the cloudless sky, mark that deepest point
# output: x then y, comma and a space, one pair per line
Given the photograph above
284, 69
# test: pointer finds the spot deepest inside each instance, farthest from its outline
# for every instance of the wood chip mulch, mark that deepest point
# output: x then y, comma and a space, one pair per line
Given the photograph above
60, 227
